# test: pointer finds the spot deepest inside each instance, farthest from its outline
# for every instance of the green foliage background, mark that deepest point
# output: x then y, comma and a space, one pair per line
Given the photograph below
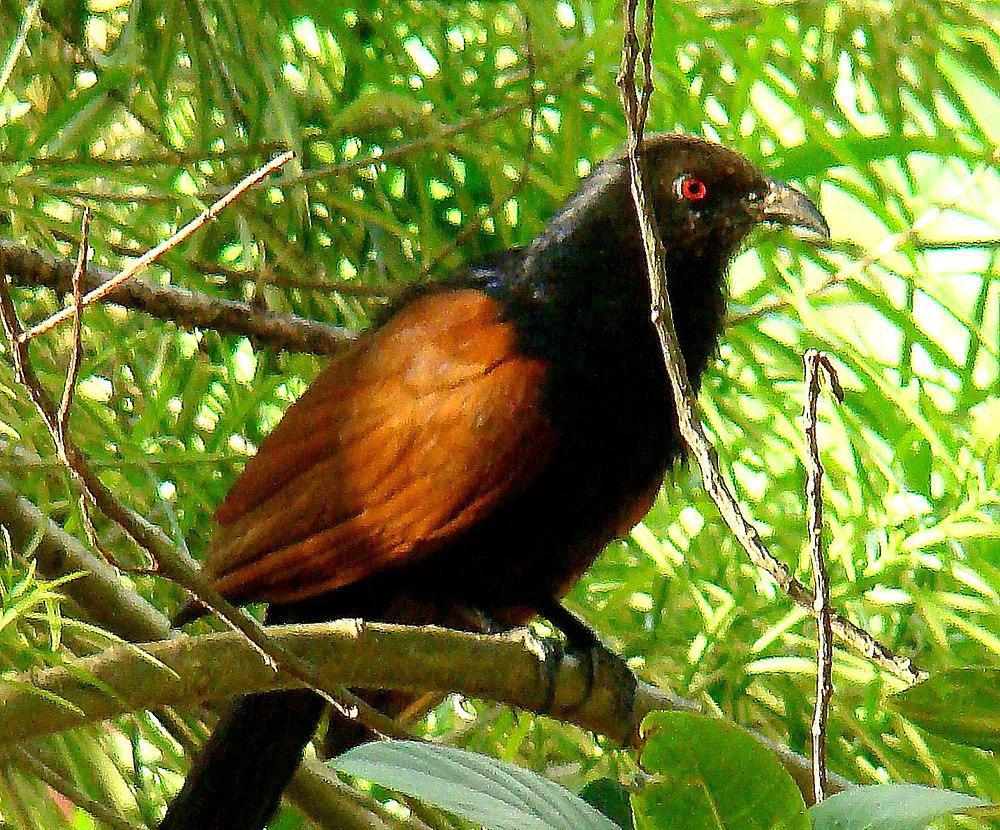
409, 120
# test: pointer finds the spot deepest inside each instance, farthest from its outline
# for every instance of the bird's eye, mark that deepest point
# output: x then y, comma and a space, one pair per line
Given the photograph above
693, 189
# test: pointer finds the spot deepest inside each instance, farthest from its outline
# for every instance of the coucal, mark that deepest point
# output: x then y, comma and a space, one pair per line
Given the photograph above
476, 450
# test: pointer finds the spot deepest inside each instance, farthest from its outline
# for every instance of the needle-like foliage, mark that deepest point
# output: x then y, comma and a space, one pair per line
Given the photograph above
430, 133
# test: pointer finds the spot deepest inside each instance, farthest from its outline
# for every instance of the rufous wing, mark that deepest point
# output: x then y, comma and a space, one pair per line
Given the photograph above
410, 436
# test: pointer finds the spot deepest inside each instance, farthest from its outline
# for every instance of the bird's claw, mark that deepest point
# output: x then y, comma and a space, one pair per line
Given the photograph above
603, 668
550, 653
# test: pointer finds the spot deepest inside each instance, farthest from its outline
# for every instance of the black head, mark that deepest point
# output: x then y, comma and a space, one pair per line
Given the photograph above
707, 198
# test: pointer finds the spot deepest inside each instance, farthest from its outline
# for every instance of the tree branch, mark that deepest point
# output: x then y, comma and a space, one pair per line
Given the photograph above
149, 257
106, 600
215, 667
175, 564
814, 361
28, 267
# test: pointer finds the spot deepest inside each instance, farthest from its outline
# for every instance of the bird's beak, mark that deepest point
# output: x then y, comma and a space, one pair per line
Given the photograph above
784, 205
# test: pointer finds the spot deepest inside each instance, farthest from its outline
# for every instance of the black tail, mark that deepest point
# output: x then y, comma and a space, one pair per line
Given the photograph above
238, 779
246, 764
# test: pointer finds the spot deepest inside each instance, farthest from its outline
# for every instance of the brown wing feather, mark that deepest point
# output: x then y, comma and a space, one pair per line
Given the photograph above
402, 443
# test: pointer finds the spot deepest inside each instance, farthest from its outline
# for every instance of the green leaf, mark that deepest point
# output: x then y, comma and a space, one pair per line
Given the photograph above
475, 787
888, 807
612, 799
962, 705
712, 774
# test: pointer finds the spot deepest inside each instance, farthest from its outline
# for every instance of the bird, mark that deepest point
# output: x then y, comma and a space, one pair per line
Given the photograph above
470, 455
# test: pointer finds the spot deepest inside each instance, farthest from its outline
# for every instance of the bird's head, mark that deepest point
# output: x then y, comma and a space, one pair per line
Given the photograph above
707, 198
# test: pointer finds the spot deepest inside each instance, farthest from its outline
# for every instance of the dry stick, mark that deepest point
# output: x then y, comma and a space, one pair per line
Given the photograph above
188, 309
60, 421
193, 309
685, 403
53, 779
73, 370
814, 360
105, 600
217, 666
157, 251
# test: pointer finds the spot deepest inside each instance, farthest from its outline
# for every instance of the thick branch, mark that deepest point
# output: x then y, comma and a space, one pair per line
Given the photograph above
109, 603
29, 267
215, 667
175, 564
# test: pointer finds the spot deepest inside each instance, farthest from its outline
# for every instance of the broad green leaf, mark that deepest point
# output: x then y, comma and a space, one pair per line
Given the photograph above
711, 774
888, 807
962, 705
478, 788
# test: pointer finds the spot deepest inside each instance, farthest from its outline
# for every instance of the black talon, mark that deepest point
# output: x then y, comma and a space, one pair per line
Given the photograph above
584, 643
554, 653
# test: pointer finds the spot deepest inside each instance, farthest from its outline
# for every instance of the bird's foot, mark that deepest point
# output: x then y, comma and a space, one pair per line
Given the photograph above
603, 669
606, 671
550, 653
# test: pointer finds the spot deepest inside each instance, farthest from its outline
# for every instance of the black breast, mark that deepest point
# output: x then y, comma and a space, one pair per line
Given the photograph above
579, 298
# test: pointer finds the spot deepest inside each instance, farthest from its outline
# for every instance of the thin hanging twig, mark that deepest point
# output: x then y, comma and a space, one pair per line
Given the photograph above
76, 354
815, 360
686, 405
154, 253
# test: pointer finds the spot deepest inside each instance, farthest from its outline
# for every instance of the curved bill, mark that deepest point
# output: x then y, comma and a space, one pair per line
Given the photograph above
784, 205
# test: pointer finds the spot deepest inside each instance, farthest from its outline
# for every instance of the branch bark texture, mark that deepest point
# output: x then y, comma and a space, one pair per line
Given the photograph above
29, 267
106, 600
816, 361
215, 667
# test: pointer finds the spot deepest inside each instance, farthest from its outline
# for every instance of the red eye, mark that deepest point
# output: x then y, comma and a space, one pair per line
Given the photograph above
693, 189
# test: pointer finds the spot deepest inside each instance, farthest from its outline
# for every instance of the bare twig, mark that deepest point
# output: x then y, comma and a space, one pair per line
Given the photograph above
66, 788
157, 251
106, 600
111, 604
690, 425
61, 420
169, 561
189, 309
73, 370
647, 67
814, 360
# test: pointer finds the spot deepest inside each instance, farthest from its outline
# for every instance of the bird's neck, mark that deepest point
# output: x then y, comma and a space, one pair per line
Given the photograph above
581, 289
